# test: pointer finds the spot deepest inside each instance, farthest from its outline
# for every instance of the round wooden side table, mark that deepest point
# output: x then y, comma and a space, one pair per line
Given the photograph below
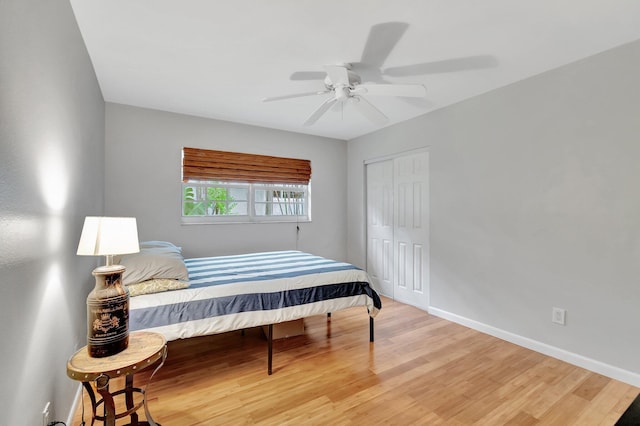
145, 349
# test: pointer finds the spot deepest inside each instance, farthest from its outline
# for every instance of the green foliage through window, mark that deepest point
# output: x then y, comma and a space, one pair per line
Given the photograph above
207, 201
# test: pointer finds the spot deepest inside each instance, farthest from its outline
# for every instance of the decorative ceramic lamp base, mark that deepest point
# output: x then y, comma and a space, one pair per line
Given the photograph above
107, 313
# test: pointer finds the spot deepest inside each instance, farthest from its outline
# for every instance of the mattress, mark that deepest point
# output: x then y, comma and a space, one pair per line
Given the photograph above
228, 293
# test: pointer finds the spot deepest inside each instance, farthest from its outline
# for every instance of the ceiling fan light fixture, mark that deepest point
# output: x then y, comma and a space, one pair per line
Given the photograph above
342, 93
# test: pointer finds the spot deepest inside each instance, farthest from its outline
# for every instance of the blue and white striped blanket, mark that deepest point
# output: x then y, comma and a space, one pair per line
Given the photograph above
235, 292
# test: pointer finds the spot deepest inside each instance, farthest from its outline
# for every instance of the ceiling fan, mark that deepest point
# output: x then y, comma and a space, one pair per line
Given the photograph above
345, 86
344, 81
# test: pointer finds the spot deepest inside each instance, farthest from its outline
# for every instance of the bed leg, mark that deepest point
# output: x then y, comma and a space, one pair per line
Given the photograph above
270, 349
370, 329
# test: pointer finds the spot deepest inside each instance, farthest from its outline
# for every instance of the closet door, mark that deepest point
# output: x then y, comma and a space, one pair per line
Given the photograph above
398, 227
379, 177
411, 229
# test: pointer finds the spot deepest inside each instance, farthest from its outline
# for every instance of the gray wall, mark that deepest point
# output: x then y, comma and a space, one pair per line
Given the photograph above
535, 203
143, 179
51, 176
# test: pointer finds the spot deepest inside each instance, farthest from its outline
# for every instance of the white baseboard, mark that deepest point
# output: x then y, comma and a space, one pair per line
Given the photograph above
543, 348
74, 406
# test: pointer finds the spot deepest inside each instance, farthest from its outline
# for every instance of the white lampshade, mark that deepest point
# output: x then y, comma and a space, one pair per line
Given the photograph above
105, 236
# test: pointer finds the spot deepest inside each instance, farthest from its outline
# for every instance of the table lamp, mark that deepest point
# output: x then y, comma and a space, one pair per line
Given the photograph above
108, 302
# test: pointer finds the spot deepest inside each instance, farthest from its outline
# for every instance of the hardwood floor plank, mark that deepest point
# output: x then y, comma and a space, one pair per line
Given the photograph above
614, 398
421, 370
592, 386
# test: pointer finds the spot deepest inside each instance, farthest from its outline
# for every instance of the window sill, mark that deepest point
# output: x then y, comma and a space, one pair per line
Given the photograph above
207, 221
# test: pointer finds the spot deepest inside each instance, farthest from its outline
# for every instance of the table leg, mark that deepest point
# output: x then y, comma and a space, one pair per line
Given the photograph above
270, 350
92, 396
102, 386
150, 420
129, 399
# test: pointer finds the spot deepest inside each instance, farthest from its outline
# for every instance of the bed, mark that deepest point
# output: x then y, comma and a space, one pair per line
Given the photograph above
225, 293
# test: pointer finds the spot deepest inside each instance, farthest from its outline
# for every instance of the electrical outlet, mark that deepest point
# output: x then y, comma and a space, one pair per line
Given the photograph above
45, 414
558, 316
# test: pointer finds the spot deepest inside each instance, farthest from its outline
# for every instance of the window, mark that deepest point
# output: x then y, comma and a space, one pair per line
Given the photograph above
222, 187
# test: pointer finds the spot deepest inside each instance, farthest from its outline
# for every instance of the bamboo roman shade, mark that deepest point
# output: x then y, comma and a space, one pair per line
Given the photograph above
206, 164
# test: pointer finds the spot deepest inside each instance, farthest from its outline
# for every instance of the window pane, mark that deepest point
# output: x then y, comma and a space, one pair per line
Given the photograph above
239, 194
224, 201
193, 209
261, 209
193, 193
287, 203
239, 208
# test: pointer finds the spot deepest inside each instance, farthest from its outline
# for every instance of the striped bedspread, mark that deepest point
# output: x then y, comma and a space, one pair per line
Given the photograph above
235, 292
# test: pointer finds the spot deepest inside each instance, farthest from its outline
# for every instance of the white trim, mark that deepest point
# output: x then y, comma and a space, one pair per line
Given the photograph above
237, 220
74, 405
543, 348
395, 155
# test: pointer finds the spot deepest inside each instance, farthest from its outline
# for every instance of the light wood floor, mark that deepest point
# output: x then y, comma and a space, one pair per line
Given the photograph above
421, 370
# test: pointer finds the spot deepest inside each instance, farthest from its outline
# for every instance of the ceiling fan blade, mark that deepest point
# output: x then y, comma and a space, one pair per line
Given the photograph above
324, 107
338, 74
382, 39
367, 109
296, 95
406, 90
308, 75
446, 65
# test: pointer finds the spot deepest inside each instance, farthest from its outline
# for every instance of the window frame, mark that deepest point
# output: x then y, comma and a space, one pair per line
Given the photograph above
251, 216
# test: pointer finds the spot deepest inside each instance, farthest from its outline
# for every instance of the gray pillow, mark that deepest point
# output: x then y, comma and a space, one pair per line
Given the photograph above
159, 244
152, 263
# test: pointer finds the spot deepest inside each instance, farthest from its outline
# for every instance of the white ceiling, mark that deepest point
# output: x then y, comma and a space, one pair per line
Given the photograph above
219, 58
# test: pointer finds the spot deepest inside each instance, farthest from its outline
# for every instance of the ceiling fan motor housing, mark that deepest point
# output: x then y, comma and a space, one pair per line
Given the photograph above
354, 79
